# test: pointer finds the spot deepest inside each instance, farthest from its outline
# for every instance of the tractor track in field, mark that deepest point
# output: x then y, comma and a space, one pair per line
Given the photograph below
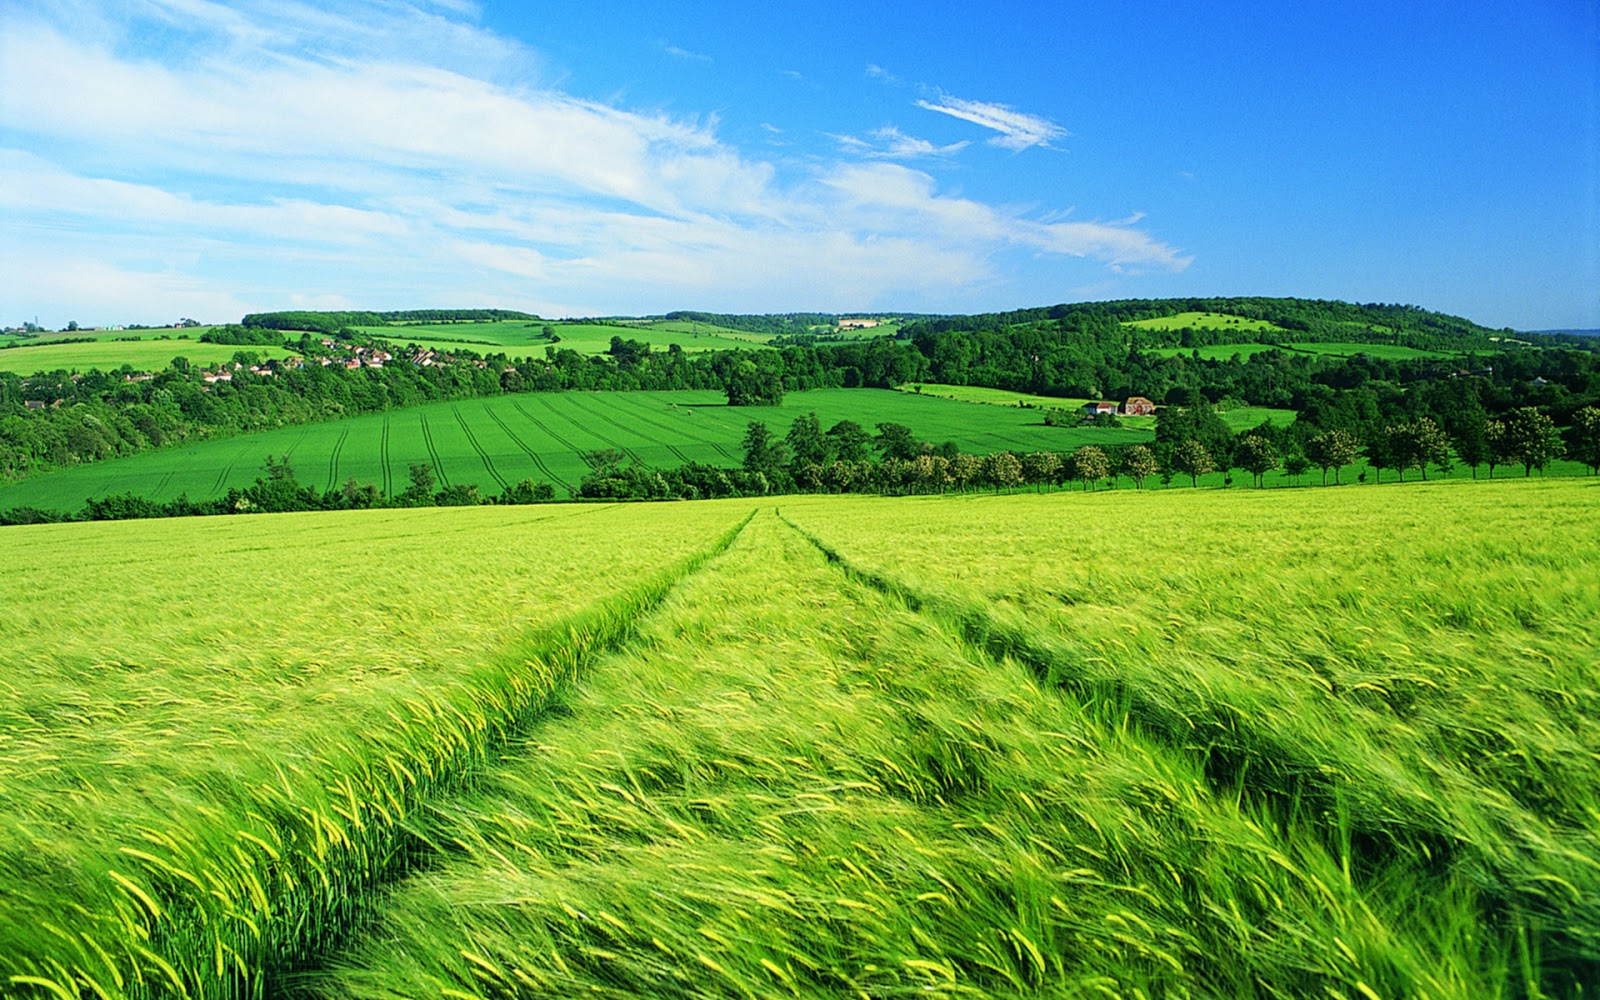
608, 441
546, 428
472, 439
624, 427
383, 455
333, 460
643, 416
537, 461
222, 477
720, 449
1220, 741
433, 451
568, 646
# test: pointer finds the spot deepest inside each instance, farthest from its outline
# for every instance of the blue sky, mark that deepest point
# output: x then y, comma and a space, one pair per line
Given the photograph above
166, 158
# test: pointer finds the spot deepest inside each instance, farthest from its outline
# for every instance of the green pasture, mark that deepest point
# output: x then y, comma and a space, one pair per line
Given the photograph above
1180, 743
524, 338
993, 397
1201, 321
1213, 352
1245, 417
500, 440
107, 333
1221, 352
1389, 352
110, 355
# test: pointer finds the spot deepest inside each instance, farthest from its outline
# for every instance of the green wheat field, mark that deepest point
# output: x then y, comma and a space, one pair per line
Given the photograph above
1330, 743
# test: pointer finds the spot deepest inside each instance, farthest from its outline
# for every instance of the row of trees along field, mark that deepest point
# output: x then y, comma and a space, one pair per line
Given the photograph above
1190, 442
61, 418
846, 458
277, 491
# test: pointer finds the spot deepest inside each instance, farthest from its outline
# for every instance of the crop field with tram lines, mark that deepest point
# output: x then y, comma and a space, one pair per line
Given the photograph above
1175, 743
499, 440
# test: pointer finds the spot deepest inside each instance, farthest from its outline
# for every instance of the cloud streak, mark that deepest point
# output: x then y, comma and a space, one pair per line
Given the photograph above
890, 143
1018, 130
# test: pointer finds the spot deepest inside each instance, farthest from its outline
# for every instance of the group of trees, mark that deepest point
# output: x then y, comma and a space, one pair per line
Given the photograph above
847, 458
1194, 443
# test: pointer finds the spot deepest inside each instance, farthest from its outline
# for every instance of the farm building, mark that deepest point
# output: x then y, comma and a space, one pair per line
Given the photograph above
1138, 406
1095, 409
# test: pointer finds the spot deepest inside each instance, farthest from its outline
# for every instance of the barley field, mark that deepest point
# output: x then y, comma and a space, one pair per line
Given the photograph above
1328, 743
211, 739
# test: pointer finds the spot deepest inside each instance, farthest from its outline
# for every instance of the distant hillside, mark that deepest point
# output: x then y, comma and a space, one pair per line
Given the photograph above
1199, 322
333, 322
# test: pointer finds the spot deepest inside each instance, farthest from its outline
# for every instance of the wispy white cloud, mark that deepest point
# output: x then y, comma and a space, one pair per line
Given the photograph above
889, 143
274, 153
678, 52
876, 72
1018, 130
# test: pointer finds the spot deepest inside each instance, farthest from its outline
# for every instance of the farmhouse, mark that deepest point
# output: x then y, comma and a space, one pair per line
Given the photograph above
1095, 409
1138, 406
857, 324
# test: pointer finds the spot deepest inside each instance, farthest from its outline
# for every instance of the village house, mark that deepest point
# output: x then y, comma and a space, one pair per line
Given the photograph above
1138, 406
857, 324
1096, 409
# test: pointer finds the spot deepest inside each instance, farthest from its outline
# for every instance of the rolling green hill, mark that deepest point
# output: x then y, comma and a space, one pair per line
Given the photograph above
109, 355
500, 440
520, 338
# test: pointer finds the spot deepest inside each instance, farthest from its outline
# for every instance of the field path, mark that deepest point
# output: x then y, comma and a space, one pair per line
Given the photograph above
883, 801
387, 745
1422, 828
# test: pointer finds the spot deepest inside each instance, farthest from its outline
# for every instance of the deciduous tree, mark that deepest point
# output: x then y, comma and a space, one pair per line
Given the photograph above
1089, 464
1257, 456
1192, 459
1583, 440
1533, 438
1139, 462
1332, 449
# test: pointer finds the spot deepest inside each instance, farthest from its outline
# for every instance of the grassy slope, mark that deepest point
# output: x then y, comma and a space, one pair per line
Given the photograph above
1202, 321
110, 355
1224, 351
522, 338
537, 435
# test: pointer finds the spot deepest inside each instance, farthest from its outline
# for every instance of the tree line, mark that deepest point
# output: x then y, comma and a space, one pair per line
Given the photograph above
1191, 442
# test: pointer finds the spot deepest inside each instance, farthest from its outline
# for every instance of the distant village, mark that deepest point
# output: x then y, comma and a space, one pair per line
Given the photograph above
338, 354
